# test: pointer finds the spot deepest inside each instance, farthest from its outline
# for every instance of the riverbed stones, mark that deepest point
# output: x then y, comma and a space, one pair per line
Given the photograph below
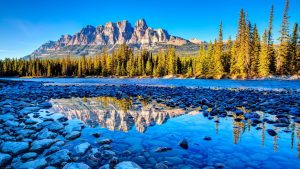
163, 149
161, 166
271, 132
41, 145
46, 134
4, 159
73, 135
127, 165
28, 156
76, 166
14, 148
184, 144
35, 164
104, 141
59, 157
82, 148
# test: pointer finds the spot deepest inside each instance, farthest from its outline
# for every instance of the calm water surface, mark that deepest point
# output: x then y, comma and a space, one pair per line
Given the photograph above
207, 83
140, 127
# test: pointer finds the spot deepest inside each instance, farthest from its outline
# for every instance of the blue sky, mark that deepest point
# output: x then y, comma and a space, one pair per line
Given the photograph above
26, 24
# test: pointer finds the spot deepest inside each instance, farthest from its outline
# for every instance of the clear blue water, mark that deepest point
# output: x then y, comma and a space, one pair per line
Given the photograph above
143, 127
207, 83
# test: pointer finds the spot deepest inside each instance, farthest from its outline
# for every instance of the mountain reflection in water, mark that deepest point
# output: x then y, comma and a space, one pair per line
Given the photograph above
116, 114
228, 133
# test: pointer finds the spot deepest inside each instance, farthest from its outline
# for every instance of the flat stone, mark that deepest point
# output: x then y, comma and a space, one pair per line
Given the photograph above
35, 164
82, 148
127, 165
76, 166
59, 157
46, 134
14, 148
73, 135
4, 159
108, 154
30, 155
41, 145
104, 141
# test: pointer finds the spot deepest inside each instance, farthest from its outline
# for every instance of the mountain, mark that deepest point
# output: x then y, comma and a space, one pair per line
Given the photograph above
90, 40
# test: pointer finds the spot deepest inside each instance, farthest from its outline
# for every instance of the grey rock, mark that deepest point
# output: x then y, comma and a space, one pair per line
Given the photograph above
104, 141
184, 144
76, 166
82, 148
108, 154
46, 134
30, 155
59, 157
161, 166
41, 145
14, 148
4, 159
127, 165
73, 135
35, 164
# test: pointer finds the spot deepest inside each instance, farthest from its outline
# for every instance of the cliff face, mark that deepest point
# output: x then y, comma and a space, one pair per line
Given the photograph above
91, 40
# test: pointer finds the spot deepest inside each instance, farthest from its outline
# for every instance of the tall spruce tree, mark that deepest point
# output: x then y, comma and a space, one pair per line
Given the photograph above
218, 69
255, 49
271, 49
293, 45
263, 64
239, 51
281, 60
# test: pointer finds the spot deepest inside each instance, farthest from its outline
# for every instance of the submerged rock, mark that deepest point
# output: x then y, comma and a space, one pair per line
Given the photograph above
76, 166
73, 135
207, 138
59, 157
161, 166
271, 132
82, 148
163, 149
184, 144
127, 165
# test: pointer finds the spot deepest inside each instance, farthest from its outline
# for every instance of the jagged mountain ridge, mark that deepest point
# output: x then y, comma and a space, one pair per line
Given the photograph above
90, 40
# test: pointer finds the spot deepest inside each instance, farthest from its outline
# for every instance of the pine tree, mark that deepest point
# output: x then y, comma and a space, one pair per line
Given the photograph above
239, 50
292, 61
218, 54
255, 50
171, 61
227, 56
271, 50
281, 60
263, 65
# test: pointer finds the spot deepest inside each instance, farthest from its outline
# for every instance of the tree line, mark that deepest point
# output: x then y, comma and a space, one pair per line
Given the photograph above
248, 56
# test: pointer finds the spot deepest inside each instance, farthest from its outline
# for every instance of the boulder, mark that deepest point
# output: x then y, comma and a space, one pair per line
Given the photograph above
4, 159
127, 165
59, 157
35, 164
82, 148
14, 148
76, 166
41, 145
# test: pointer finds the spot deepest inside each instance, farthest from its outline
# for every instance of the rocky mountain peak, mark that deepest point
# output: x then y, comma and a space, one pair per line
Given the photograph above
141, 24
91, 40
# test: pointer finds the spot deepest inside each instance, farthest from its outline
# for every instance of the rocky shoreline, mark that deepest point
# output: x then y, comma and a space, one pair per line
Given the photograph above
29, 143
